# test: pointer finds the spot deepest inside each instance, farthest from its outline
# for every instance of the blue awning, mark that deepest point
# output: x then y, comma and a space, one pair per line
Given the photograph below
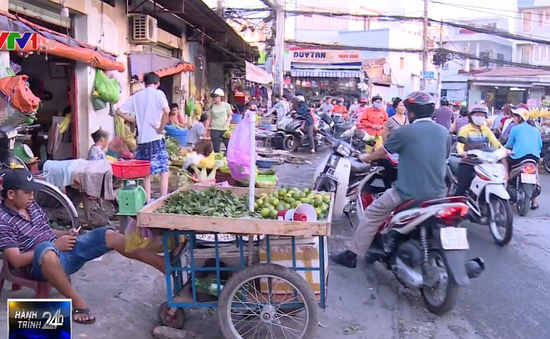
325, 74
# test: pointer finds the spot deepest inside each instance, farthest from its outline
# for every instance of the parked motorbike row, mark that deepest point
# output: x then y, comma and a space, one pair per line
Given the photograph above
422, 242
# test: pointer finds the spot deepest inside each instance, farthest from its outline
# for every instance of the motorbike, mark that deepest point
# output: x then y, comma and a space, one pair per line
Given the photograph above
420, 243
488, 199
545, 154
60, 209
339, 172
290, 135
523, 185
338, 125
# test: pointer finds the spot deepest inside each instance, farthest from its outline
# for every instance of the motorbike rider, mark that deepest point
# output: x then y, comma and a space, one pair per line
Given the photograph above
304, 112
360, 109
461, 121
373, 119
280, 107
421, 174
525, 142
326, 107
340, 107
476, 134
353, 107
444, 115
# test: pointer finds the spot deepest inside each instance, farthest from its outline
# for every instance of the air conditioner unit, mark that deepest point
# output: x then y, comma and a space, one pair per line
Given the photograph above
144, 28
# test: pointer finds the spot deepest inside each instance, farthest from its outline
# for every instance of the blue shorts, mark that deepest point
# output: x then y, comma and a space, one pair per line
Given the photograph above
156, 153
88, 247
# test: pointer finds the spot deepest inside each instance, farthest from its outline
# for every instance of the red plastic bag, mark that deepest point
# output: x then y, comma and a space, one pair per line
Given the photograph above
120, 148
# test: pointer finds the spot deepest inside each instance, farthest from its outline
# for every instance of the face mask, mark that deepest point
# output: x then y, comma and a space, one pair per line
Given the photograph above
377, 105
340, 103
478, 121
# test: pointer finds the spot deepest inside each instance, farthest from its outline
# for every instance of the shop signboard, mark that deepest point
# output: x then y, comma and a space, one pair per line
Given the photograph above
322, 56
15, 41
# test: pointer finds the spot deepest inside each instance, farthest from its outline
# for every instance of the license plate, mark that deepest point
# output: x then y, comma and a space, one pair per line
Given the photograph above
454, 238
528, 178
330, 173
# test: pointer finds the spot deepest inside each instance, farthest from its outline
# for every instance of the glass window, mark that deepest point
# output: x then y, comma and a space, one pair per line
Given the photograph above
536, 53
527, 22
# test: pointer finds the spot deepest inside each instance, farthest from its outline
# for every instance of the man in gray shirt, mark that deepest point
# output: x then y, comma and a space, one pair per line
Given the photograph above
444, 115
420, 173
326, 107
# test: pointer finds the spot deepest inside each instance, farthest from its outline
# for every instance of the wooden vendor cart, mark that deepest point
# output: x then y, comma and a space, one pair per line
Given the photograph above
245, 275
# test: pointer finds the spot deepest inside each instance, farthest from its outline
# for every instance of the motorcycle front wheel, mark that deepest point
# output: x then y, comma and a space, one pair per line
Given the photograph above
500, 217
441, 298
546, 162
523, 203
290, 143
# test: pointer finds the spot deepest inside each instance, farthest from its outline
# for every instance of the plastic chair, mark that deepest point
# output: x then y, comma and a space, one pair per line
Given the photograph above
19, 279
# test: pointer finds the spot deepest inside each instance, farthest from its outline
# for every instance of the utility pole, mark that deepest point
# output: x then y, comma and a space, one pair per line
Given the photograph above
440, 64
279, 45
423, 83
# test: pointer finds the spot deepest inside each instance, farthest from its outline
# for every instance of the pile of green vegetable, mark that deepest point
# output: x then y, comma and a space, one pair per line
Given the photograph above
210, 202
172, 147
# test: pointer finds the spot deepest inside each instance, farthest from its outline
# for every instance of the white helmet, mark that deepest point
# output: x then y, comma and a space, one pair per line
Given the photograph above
300, 98
217, 92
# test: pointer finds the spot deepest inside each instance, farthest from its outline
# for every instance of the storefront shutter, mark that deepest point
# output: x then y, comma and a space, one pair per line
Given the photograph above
42, 12
215, 75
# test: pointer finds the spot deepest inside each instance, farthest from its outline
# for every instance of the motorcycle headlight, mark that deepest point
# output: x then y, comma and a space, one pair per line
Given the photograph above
343, 150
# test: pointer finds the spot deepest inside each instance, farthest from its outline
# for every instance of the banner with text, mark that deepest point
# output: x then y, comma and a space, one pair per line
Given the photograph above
315, 56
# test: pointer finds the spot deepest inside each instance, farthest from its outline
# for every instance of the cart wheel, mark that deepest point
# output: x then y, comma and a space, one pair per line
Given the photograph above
274, 314
170, 317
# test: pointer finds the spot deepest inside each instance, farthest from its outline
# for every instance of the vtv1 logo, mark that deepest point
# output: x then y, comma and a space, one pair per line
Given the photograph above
28, 41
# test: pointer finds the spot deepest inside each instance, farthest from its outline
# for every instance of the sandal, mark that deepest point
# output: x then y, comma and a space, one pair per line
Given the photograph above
534, 207
84, 311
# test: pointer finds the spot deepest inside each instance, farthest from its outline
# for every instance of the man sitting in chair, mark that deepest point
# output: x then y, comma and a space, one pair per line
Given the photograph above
33, 247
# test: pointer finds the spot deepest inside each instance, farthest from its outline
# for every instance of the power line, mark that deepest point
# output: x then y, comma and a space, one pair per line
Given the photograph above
402, 18
451, 55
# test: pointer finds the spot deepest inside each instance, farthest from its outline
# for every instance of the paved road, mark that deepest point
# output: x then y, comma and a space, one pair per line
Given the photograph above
510, 301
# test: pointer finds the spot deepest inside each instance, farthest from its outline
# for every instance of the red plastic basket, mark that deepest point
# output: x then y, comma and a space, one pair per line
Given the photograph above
131, 169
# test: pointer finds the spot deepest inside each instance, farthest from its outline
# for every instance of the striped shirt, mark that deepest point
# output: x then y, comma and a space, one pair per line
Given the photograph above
17, 231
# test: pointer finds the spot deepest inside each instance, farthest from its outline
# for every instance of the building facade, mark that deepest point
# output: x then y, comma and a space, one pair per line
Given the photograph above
124, 39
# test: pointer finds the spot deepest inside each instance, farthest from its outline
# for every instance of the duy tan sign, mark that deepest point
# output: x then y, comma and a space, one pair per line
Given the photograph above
319, 56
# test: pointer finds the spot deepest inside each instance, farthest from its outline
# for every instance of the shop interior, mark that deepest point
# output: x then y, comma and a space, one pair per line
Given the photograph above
167, 85
50, 81
499, 96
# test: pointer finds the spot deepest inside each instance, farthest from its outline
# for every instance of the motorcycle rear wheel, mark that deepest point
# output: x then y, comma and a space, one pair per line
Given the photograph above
290, 143
503, 214
450, 296
523, 204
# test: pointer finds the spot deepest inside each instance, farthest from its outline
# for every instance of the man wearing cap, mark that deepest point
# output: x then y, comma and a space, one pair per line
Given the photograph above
31, 246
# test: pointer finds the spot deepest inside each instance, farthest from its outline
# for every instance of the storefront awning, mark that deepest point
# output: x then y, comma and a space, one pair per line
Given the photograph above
502, 84
325, 74
58, 45
141, 63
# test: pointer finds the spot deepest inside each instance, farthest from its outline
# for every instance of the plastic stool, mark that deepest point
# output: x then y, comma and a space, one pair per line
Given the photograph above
20, 279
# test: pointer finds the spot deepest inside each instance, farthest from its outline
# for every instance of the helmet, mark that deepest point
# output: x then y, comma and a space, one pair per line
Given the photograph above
522, 112
365, 100
524, 106
479, 109
217, 92
300, 98
420, 98
420, 103
444, 101
376, 97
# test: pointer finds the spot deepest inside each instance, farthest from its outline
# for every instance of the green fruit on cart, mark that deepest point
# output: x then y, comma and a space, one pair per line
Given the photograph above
306, 190
303, 195
324, 207
304, 201
282, 192
265, 212
269, 207
287, 206
260, 202
273, 214
255, 207
326, 199
296, 196
274, 201
318, 202
319, 212
296, 204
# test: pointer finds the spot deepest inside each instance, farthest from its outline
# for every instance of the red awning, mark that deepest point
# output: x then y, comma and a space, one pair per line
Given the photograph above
82, 54
173, 70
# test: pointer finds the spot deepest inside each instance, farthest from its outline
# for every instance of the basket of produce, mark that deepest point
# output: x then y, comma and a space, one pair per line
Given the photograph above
226, 210
178, 133
266, 180
131, 169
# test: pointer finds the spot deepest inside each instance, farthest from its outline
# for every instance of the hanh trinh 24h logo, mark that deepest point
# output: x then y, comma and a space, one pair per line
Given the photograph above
39, 318
28, 41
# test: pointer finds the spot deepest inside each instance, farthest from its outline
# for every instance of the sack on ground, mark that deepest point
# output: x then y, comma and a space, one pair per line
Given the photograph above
238, 150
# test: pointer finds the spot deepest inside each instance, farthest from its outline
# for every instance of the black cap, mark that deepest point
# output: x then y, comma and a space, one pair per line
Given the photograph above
19, 179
